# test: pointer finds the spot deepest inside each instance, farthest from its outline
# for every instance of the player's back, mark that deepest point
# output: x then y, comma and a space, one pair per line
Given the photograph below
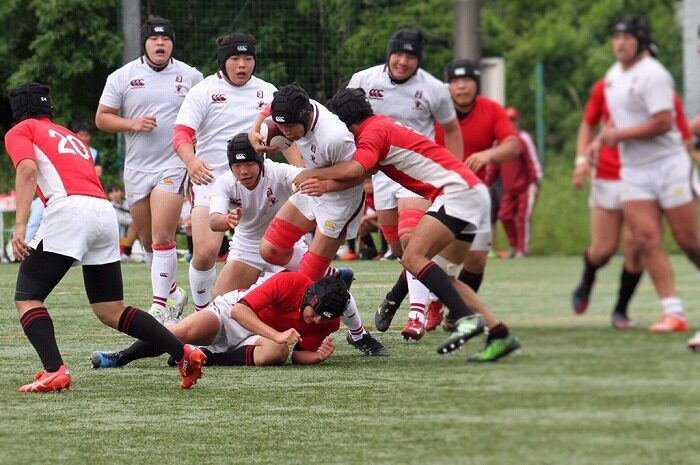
64, 164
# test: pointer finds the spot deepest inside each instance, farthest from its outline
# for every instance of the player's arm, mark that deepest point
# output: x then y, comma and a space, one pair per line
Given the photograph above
108, 119
351, 171
453, 138
659, 123
246, 317
507, 149
256, 139
25, 186
309, 357
223, 222
183, 142
587, 147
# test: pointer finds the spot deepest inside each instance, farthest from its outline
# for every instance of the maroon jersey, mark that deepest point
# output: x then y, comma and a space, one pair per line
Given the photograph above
410, 158
485, 125
517, 174
64, 163
277, 302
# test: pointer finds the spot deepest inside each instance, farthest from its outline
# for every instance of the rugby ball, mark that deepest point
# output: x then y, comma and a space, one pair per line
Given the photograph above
272, 135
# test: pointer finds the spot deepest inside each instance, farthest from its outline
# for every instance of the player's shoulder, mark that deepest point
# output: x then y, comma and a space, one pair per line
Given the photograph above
127, 69
368, 73
256, 81
651, 66
184, 68
426, 78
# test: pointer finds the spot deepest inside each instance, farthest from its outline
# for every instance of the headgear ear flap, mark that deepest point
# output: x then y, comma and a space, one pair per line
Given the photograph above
30, 100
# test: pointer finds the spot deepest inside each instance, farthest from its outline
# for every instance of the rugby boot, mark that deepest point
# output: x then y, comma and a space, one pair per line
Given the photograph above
190, 367
580, 297
385, 313
434, 316
414, 330
347, 275
49, 382
670, 324
622, 322
694, 342
496, 349
465, 329
368, 345
104, 359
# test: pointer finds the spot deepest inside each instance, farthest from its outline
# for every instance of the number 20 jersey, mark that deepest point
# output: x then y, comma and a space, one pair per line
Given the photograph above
64, 164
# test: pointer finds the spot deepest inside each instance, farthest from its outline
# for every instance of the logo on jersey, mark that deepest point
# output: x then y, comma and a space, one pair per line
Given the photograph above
329, 225
178, 78
218, 98
271, 196
261, 105
137, 83
259, 94
236, 203
418, 94
418, 105
377, 94
168, 182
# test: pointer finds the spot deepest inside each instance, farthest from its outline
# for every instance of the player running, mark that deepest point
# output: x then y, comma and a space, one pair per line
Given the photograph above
79, 227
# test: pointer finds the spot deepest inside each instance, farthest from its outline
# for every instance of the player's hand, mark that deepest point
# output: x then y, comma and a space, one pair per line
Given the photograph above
580, 175
477, 161
326, 349
144, 124
257, 141
234, 217
304, 175
609, 135
289, 337
20, 248
313, 187
199, 172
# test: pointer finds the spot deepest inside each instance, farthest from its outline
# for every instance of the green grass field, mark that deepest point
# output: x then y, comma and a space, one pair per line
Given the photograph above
580, 392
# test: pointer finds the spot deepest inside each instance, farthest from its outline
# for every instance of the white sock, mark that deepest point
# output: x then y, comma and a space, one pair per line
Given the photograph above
297, 255
672, 306
163, 271
419, 295
201, 283
351, 319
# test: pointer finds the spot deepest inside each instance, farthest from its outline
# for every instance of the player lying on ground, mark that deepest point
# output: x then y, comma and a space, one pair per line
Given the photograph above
460, 209
257, 326
79, 227
246, 199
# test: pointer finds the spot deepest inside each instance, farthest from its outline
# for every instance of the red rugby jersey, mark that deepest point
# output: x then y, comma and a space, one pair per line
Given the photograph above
64, 163
485, 125
410, 158
277, 302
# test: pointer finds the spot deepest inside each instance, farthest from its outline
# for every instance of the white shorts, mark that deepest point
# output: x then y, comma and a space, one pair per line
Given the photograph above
202, 194
138, 184
471, 205
250, 255
481, 242
668, 181
334, 218
81, 227
605, 194
231, 334
387, 192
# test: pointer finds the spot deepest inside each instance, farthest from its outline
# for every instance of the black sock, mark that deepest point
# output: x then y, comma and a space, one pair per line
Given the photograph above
499, 331
400, 289
440, 284
589, 271
472, 280
242, 356
136, 351
139, 324
38, 327
628, 284
368, 242
351, 245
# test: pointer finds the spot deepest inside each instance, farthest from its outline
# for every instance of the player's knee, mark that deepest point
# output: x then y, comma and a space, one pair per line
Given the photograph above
271, 353
273, 254
108, 313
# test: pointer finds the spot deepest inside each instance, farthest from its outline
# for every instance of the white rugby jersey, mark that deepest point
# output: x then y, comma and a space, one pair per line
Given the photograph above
258, 206
417, 102
327, 142
633, 96
218, 110
137, 91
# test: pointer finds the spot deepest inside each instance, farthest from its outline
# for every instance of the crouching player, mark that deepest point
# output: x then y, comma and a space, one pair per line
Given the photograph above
79, 226
460, 209
257, 326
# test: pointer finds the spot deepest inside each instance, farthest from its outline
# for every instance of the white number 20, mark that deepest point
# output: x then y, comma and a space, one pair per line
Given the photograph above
76, 145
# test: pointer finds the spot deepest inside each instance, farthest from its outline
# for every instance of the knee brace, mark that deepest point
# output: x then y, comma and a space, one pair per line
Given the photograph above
452, 269
282, 234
